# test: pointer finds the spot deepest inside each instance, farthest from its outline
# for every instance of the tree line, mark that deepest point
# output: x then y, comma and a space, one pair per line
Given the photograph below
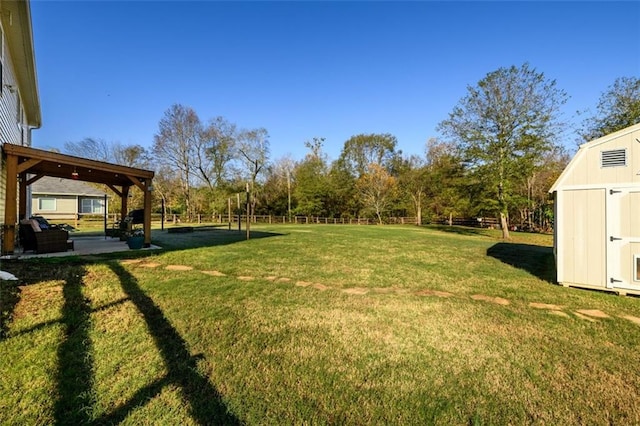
498, 155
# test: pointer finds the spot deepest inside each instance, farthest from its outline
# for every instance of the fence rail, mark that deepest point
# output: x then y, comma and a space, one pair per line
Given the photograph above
173, 219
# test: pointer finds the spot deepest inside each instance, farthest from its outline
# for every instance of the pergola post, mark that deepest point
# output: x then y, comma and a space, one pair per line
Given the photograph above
147, 213
10, 208
22, 201
124, 200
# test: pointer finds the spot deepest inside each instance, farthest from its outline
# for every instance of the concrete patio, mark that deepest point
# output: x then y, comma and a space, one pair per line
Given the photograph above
82, 246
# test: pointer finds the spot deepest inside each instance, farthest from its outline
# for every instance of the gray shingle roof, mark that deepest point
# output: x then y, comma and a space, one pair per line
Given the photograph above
56, 186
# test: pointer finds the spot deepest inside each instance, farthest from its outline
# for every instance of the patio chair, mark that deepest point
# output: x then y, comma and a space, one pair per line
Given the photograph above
34, 238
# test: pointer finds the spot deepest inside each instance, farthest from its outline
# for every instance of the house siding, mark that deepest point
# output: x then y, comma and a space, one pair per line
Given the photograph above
66, 207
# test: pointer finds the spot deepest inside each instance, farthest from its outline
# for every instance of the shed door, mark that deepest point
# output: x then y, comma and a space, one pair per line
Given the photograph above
623, 238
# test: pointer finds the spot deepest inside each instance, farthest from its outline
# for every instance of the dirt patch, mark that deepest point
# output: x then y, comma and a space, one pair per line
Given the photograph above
130, 261
178, 268
149, 265
246, 278
545, 306
303, 283
595, 313
437, 293
356, 290
271, 278
496, 300
320, 287
559, 313
633, 319
215, 273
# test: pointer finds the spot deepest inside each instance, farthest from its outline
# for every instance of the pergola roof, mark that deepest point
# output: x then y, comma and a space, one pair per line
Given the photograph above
46, 163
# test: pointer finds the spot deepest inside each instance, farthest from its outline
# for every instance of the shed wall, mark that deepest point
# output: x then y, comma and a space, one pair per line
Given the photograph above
583, 242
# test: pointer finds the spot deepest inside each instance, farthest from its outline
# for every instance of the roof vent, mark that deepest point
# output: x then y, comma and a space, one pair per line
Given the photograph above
613, 158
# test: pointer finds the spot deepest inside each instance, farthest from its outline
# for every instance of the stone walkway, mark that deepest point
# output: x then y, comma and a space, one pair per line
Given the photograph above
591, 315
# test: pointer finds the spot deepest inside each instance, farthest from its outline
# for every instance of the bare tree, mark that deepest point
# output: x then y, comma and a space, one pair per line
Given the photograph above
377, 189
253, 149
175, 145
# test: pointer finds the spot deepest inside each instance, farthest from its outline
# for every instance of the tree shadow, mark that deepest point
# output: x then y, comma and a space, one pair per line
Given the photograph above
205, 402
536, 260
460, 230
206, 238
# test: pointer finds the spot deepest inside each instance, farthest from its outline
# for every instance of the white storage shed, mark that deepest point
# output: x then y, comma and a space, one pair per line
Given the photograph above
597, 215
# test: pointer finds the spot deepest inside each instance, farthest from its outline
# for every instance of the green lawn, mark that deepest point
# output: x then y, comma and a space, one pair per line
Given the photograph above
316, 324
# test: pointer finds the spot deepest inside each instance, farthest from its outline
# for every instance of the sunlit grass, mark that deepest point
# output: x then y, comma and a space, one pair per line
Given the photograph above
318, 324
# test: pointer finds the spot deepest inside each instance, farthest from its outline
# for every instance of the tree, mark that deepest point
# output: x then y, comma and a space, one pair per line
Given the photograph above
311, 181
445, 179
216, 150
618, 107
91, 148
508, 119
176, 143
412, 179
377, 189
362, 150
253, 147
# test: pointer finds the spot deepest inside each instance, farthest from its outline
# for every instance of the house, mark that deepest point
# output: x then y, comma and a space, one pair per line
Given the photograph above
21, 166
57, 198
597, 215
19, 101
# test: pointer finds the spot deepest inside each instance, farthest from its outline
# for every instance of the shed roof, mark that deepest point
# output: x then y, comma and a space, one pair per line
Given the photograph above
585, 147
58, 186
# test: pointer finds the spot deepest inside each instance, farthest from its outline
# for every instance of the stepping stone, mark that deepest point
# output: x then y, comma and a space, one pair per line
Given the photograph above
593, 313
559, 313
545, 306
215, 273
271, 278
283, 280
150, 265
303, 283
320, 287
245, 278
633, 319
178, 268
496, 300
130, 261
355, 290
434, 293
584, 317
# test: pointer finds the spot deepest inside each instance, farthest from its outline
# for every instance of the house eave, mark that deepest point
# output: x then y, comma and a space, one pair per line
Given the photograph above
16, 22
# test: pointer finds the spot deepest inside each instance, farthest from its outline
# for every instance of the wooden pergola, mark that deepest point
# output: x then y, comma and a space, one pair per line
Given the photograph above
21, 161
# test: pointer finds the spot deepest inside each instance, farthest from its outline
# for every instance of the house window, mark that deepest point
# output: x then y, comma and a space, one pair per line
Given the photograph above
613, 158
91, 206
636, 267
46, 204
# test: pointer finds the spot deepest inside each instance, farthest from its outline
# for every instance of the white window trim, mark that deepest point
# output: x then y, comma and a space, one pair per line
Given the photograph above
55, 204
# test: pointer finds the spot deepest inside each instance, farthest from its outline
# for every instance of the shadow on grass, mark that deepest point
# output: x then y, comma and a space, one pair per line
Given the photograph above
205, 238
460, 230
205, 402
9, 297
74, 375
536, 260
75, 363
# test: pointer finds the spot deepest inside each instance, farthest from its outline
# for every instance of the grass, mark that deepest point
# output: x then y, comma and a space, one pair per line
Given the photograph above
315, 324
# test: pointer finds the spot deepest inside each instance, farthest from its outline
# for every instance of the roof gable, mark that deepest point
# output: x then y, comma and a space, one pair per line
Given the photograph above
578, 162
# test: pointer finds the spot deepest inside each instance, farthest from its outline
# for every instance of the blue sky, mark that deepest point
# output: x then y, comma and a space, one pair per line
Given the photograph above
310, 69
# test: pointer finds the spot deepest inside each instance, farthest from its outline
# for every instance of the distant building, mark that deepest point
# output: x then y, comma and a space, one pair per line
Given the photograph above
57, 198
